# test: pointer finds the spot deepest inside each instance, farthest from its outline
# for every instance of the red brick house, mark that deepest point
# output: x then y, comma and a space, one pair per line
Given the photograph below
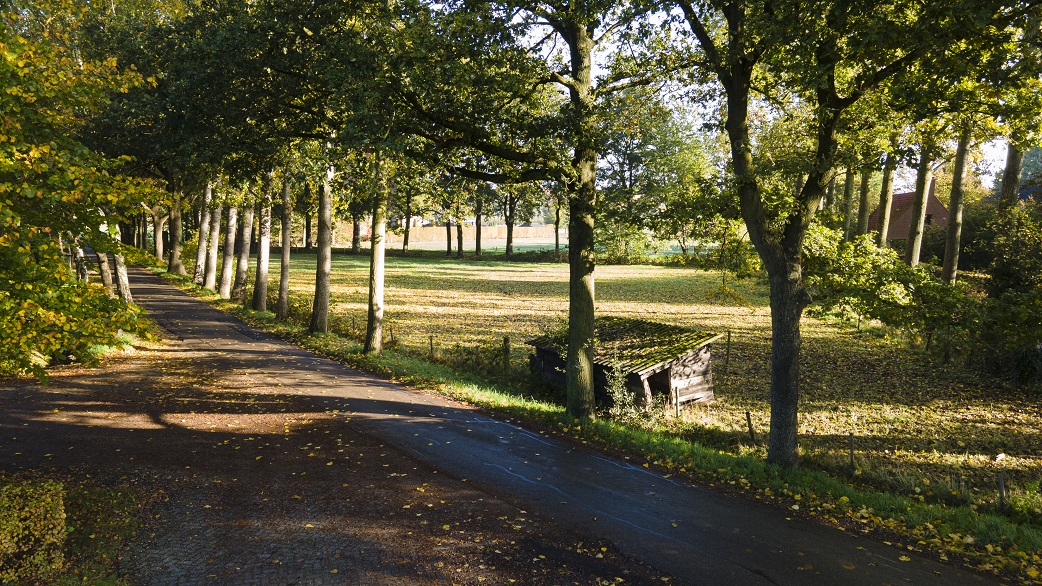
901, 214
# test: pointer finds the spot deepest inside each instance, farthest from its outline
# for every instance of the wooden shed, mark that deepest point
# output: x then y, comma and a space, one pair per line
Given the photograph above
655, 359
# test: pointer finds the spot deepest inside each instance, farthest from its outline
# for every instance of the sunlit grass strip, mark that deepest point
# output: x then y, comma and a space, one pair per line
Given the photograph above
984, 541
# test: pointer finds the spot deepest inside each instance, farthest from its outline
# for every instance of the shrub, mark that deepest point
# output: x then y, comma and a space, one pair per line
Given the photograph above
32, 531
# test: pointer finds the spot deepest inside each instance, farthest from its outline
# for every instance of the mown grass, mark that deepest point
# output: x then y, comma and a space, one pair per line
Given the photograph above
929, 440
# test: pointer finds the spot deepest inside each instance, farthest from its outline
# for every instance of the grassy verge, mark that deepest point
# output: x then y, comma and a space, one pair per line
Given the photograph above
1004, 542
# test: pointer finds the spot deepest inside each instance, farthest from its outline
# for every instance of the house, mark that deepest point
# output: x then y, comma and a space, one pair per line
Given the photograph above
655, 360
901, 214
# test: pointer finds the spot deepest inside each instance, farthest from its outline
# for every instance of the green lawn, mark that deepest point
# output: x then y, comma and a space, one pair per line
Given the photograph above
928, 431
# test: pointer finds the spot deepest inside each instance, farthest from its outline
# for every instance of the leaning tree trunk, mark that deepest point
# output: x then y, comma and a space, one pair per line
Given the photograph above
242, 267
228, 265
886, 200
459, 238
923, 189
282, 307
210, 275
1011, 177
324, 264
848, 203
375, 318
864, 209
199, 275
260, 284
477, 226
105, 271
175, 266
954, 238
122, 279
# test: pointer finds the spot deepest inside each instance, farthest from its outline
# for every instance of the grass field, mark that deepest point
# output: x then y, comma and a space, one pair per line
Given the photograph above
932, 432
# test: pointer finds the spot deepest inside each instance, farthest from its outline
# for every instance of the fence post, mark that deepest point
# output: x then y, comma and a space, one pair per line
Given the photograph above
431, 355
749, 423
506, 353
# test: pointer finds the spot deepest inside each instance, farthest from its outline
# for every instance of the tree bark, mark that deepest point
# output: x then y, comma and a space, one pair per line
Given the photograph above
848, 203
356, 234
864, 209
477, 225
1011, 177
260, 284
953, 242
282, 307
509, 205
324, 265
175, 265
199, 273
923, 189
788, 299
81, 262
375, 318
242, 267
448, 237
122, 279
228, 265
886, 200
582, 204
830, 195
557, 228
105, 271
459, 238
307, 232
158, 224
408, 220
212, 248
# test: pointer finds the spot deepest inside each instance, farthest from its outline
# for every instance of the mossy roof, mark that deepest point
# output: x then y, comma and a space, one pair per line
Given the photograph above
634, 345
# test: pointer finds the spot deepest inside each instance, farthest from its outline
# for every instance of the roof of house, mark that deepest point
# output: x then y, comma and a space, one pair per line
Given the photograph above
633, 345
903, 202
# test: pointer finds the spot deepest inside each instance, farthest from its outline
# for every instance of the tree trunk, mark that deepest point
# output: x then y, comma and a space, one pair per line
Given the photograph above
105, 271
448, 237
953, 242
477, 226
242, 267
374, 326
228, 265
158, 224
583, 202
923, 189
886, 200
408, 220
459, 238
848, 203
282, 307
122, 279
81, 262
830, 195
356, 234
557, 228
508, 217
1011, 177
260, 285
175, 266
210, 276
864, 209
199, 273
788, 298
324, 265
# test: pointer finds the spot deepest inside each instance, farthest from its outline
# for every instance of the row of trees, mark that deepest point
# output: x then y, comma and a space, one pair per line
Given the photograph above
580, 97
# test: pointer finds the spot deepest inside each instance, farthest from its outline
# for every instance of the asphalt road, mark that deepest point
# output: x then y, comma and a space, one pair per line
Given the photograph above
694, 533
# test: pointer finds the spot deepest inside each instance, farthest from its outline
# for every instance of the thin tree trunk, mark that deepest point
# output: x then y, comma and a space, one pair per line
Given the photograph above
848, 203
864, 209
228, 265
199, 274
953, 242
448, 237
356, 234
1011, 177
830, 195
459, 238
81, 262
175, 266
477, 226
210, 276
886, 200
122, 279
260, 285
307, 232
105, 271
923, 189
324, 265
375, 319
158, 224
242, 267
282, 307
408, 220
557, 228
